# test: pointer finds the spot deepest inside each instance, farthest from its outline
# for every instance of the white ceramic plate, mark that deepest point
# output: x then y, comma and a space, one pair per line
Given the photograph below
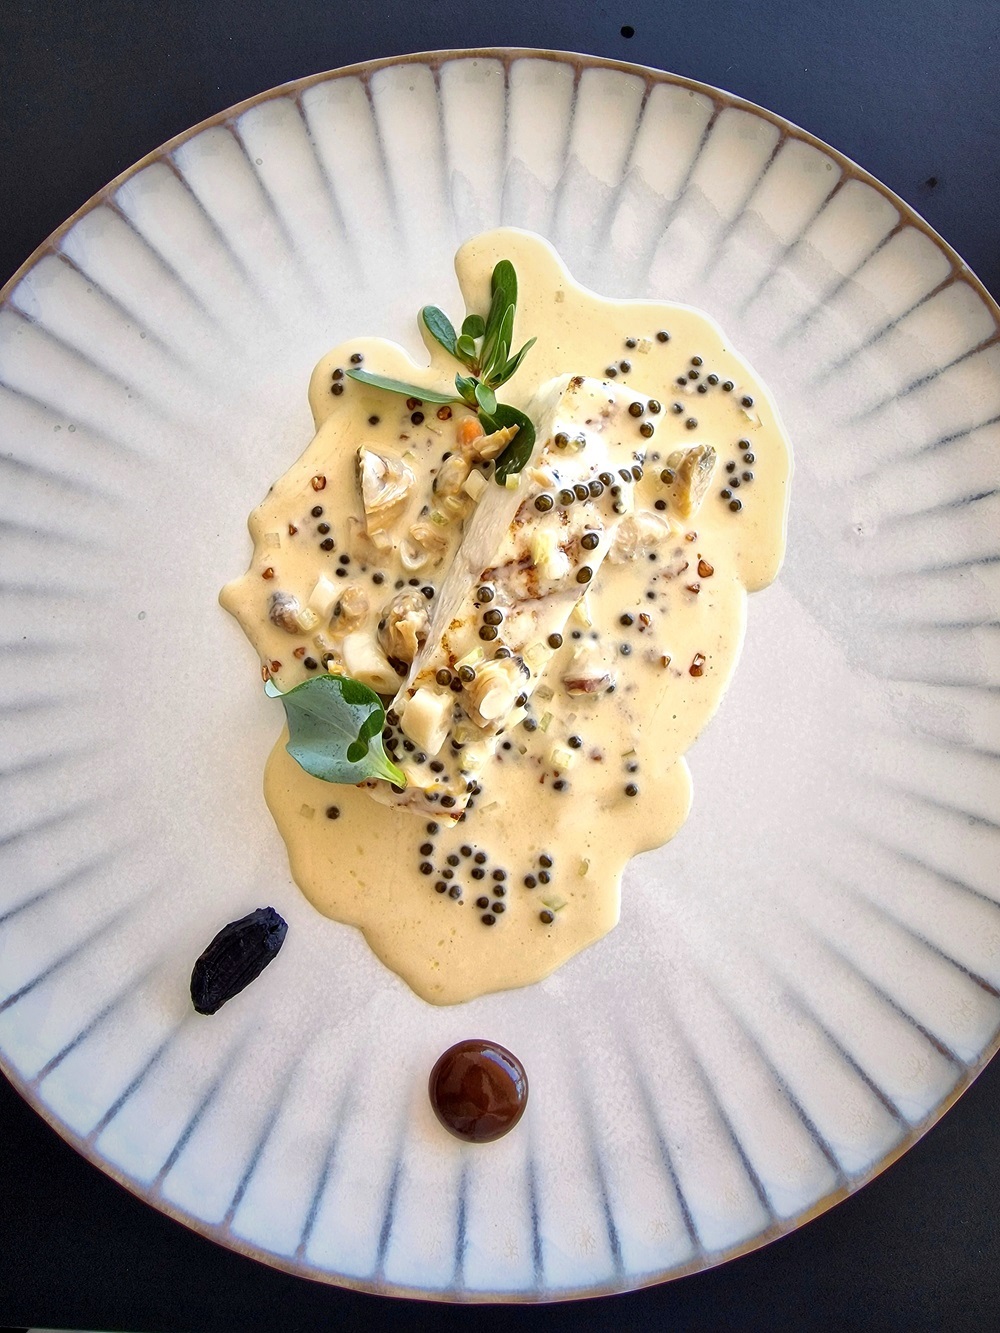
801, 982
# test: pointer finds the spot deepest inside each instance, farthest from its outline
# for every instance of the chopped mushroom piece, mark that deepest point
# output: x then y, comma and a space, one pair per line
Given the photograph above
637, 533
352, 607
403, 626
385, 483
692, 469
584, 675
283, 610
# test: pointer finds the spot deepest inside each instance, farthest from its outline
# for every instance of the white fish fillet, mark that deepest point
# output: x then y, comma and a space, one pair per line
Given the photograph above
526, 566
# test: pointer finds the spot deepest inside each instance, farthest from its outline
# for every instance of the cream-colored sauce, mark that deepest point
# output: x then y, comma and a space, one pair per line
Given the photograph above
362, 868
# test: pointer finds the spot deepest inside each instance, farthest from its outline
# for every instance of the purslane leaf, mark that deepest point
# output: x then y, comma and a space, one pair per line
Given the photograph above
504, 280
486, 399
474, 326
465, 348
400, 386
512, 365
501, 348
517, 453
335, 730
466, 386
439, 326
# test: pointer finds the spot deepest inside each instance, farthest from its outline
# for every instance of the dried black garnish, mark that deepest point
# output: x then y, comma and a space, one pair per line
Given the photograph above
237, 956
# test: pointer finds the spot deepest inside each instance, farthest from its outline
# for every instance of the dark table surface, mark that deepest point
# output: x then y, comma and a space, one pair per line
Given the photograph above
908, 88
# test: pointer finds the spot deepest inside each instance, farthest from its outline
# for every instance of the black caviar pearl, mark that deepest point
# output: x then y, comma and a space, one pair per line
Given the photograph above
663, 336
427, 849
432, 828
426, 868
310, 663
584, 574
559, 784
629, 342
635, 409
485, 593
323, 527
447, 801
595, 489
530, 881
443, 676
317, 511
631, 790
660, 504
327, 544
691, 423
566, 497
735, 505
624, 367
428, 592
466, 674
336, 390
466, 850
580, 491
441, 886
682, 380
626, 619
447, 874
607, 478
478, 872
543, 503
693, 375
746, 400
498, 908
748, 458
713, 379
677, 408
726, 493
574, 742
636, 472
748, 476
493, 617
332, 812
734, 482
487, 919
555, 640
338, 374
455, 891
345, 559
611, 371
546, 917
590, 541
378, 578
545, 860
730, 467
480, 858
356, 358
456, 685
488, 632
416, 417
646, 429
703, 388
499, 875
654, 406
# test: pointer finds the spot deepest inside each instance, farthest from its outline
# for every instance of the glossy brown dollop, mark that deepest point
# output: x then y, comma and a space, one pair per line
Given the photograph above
478, 1090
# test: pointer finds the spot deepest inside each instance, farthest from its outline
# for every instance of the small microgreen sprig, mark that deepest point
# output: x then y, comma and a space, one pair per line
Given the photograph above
484, 348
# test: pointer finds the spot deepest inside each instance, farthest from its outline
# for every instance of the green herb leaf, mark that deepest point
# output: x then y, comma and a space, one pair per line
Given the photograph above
466, 386
465, 349
399, 386
474, 326
517, 453
335, 730
515, 361
504, 281
486, 399
439, 326
501, 349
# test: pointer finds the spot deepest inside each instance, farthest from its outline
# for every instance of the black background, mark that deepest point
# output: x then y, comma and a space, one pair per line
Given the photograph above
909, 90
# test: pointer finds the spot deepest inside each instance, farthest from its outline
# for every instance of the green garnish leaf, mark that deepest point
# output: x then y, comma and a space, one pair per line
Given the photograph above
399, 386
504, 281
439, 326
517, 453
516, 360
474, 326
466, 386
500, 351
335, 730
465, 349
486, 399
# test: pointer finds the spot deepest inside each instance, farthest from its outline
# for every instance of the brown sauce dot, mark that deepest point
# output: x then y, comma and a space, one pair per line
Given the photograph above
478, 1090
